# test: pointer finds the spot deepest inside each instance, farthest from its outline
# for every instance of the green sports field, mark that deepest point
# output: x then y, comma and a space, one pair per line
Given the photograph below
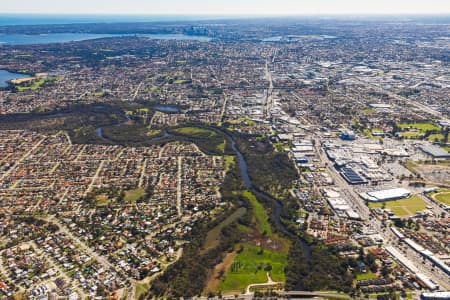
403, 207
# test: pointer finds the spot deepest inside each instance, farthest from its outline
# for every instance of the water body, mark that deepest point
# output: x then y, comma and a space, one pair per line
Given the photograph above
5, 76
25, 39
167, 108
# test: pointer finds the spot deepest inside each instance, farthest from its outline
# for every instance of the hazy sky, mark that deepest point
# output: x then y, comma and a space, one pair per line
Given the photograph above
227, 7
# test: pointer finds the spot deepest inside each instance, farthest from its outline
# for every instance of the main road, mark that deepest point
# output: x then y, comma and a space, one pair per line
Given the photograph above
357, 202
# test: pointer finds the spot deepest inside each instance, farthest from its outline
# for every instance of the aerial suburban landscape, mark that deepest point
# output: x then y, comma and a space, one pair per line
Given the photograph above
260, 158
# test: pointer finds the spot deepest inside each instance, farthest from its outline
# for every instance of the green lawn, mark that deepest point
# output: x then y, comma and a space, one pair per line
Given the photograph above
443, 196
35, 84
260, 214
248, 267
366, 276
229, 162
419, 126
403, 207
221, 147
134, 195
417, 130
436, 137
411, 134
195, 131
446, 148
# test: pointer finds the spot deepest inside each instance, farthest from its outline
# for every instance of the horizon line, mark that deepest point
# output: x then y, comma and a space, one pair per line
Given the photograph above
228, 15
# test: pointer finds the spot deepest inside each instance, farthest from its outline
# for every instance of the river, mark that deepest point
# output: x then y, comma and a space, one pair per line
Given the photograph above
260, 194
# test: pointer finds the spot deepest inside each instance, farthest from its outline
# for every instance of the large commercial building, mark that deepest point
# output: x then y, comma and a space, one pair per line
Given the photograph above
435, 151
436, 296
386, 195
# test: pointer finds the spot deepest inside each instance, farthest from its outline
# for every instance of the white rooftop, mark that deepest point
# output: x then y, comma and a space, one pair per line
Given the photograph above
389, 194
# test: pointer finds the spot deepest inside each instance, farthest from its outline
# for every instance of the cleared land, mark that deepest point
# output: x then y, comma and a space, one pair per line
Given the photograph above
403, 207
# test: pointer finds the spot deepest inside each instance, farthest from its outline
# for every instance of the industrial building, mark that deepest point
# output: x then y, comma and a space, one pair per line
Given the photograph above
435, 151
351, 176
386, 195
442, 295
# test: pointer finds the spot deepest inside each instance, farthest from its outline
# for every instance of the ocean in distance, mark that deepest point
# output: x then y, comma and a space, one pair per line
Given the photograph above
43, 19
37, 19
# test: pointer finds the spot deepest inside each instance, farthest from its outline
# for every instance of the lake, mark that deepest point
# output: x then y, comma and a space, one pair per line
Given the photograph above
5, 76
24, 39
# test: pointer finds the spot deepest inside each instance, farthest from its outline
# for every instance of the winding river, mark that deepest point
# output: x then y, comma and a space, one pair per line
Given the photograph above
260, 194
248, 185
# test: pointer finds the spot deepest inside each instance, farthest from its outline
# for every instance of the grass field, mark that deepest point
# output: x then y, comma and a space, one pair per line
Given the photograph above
366, 276
36, 84
417, 130
443, 196
229, 162
446, 148
419, 126
221, 147
195, 131
134, 195
249, 267
411, 134
436, 137
260, 214
403, 207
